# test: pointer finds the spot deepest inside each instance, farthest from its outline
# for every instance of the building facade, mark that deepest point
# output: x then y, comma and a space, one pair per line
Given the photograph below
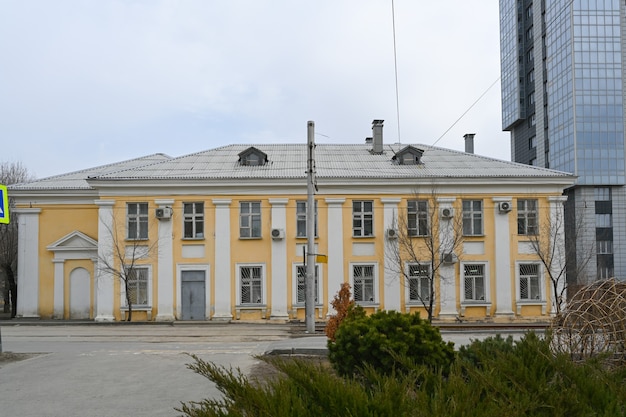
562, 67
221, 234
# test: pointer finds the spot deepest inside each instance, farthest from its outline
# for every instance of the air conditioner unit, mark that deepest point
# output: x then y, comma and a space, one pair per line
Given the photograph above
278, 234
163, 213
447, 213
448, 258
391, 233
504, 206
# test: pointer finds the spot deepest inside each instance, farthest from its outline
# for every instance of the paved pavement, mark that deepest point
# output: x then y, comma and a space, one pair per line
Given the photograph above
138, 370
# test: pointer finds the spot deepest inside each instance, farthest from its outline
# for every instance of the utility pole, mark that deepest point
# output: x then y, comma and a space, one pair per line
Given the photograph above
309, 301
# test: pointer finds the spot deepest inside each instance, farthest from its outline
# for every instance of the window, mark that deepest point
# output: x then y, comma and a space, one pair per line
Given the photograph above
532, 142
604, 220
474, 282
419, 282
604, 247
250, 219
301, 218
137, 216
193, 220
472, 217
251, 284
417, 218
527, 217
301, 284
602, 194
363, 288
362, 218
137, 280
529, 282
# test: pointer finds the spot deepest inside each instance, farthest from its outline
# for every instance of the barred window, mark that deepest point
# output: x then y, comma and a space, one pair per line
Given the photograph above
193, 220
137, 220
474, 281
137, 280
251, 284
419, 282
301, 283
529, 282
417, 218
363, 276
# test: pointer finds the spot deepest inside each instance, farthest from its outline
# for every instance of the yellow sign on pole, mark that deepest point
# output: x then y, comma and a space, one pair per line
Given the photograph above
321, 259
4, 205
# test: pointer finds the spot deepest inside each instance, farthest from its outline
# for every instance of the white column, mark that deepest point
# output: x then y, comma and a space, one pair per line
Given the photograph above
502, 259
165, 268
104, 278
335, 248
222, 261
557, 220
59, 286
447, 278
279, 261
28, 263
390, 278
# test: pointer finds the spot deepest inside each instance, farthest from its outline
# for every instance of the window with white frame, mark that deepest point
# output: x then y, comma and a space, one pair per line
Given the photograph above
137, 286
301, 284
250, 219
137, 220
529, 282
474, 282
419, 282
417, 218
604, 247
251, 284
363, 280
472, 217
527, 217
301, 209
604, 220
362, 218
193, 220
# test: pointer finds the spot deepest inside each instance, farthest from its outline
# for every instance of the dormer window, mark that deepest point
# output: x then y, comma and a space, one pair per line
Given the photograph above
252, 157
408, 156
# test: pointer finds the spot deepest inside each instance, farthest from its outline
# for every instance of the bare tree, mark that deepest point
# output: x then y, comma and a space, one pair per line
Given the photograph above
127, 259
10, 173
428, 235
563, 261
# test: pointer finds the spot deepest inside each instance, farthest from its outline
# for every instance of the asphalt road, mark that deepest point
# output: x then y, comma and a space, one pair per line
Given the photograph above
132, 370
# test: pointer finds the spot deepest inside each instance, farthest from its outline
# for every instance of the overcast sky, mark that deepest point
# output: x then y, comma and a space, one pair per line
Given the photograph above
90, 82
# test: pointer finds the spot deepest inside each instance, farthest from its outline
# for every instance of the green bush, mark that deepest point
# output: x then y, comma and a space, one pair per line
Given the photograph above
388, 342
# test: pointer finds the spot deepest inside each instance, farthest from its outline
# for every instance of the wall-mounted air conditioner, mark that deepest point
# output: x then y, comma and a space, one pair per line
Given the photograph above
448, 258
163, 213
391, 233
504, 206
447, 213
278, 234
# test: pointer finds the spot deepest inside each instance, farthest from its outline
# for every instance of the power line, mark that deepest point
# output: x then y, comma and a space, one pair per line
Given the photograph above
395, 62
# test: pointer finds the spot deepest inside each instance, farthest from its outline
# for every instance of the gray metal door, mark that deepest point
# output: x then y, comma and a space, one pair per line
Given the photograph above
193, 295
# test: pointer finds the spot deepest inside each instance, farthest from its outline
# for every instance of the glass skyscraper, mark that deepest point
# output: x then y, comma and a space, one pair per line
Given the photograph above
562, 68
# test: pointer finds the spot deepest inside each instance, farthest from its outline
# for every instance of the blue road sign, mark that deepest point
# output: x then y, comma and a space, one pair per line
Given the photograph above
4, 205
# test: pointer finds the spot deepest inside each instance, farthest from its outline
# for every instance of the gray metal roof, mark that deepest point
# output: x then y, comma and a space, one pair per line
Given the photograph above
289, 161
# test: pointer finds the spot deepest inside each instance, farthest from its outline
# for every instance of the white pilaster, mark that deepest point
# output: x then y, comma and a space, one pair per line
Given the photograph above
28, 263
165, 281
447, 278
105, 278
557, 220
279, 261
391, 279
59, 286
335, 248
502, 259
222, 260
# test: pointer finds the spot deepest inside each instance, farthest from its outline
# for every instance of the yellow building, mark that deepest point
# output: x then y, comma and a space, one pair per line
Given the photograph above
221, 234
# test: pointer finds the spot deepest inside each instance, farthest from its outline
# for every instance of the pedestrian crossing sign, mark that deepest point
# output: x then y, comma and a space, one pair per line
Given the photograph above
4, 205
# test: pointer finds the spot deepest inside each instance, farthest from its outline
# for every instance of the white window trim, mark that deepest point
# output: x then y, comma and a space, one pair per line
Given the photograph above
263, 302
487, 285
407, 292
374, 303
124, 306
294, 285
542, 286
